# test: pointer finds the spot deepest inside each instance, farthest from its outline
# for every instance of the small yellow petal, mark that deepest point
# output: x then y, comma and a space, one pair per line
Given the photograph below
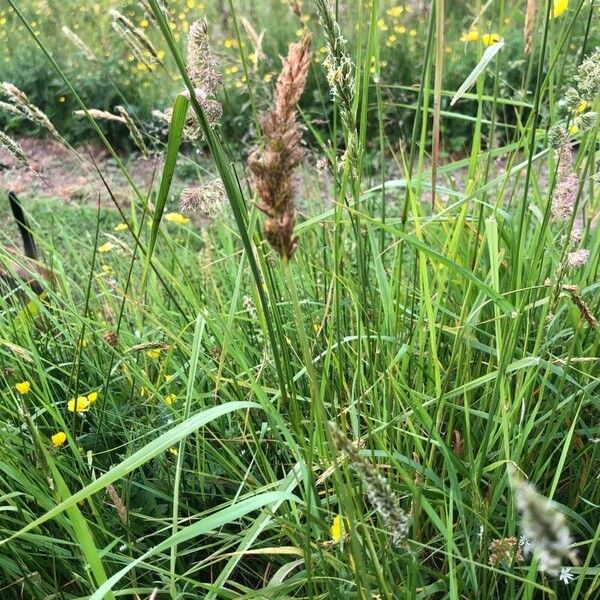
170, 399
80, 405
121, 227
173, 451
469, 36
92, 397
337, 528
176, 218
58, 439
490, 38
558, 8
23, 387
106, 247
153, 354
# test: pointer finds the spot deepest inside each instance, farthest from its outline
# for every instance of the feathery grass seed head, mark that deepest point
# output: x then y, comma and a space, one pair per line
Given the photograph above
207, 199
379, 491
543, 525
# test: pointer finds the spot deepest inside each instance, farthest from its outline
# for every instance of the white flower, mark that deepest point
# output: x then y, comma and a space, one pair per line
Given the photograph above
565, 575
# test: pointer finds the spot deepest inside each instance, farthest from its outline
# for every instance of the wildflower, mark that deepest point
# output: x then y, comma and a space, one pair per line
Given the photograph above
170, 399
382, 25
337, 528
207, 199
578, 258
111, 338
505, 551
581, 107
174, 217
565, 575
273, 166
543, 525
558, 8
173, 451
58, 439
470, 36
395, 11
379, 491
564, 198
23, 387
106, 247
490, 38
168, 377
154, 353
121, 227
80, 405
92, 397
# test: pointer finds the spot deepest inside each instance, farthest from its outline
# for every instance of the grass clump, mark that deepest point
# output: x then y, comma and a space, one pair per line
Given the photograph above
177, 408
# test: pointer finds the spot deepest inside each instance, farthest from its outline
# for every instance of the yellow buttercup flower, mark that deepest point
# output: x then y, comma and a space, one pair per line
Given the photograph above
92, 397
170, 399
121, 227
395, 11
153, 354
558, 8
173, 451
168, 377
23, 387
80, 405
490, 38
176, 218
337, 528
106, 247
581, 107
58, 439
470, 36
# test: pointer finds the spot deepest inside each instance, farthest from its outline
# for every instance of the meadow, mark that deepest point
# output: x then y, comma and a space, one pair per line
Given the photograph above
319, 318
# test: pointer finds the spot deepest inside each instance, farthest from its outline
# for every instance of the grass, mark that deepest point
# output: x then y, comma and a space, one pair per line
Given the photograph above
439, 333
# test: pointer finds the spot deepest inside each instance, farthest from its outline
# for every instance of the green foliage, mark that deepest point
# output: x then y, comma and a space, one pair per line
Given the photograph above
449, 338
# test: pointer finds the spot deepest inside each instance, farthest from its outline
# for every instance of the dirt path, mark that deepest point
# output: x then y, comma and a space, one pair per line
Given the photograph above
59, 173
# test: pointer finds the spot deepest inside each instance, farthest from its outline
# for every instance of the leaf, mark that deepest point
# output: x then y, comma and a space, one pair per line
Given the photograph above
137, 459
180, 109
210, 523
488, 55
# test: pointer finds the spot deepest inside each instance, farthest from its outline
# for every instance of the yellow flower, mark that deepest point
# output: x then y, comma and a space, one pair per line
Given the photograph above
395, 11
23, 387
106, 247
490, 38
412, 33
382, 26
107, 269
58, 439
337, 528
399, 29
391, 40
574, 129
170, 399
92, 397
173, 451
230, 43
80, 405
168, 377
153, 354
581, 107
176, 218
470, 36
61, 99
120, 227
558, 8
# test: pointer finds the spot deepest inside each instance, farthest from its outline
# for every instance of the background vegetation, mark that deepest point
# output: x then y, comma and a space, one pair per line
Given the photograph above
193, 373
